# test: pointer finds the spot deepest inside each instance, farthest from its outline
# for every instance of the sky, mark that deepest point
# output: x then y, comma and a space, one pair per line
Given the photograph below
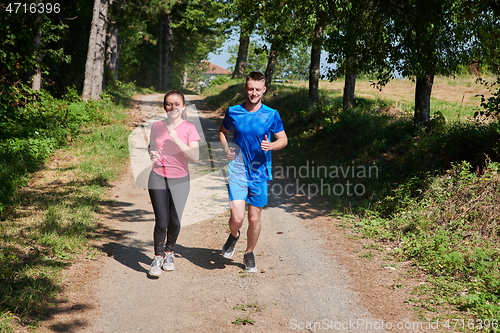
222, 58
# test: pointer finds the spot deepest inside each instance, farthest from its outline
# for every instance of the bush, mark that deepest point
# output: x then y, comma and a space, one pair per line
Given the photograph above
33, 124
491, 104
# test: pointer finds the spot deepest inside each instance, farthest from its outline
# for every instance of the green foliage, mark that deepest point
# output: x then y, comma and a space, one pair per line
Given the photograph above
431, 39
435, 200
219, 80
240, 321
358, 40
291, 64
256, 58
221, 97
62, 51
6, 322
456, 237
190, 41
33, 124
34, 248
491, 104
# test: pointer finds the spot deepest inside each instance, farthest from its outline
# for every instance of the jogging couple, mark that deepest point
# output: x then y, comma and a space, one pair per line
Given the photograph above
174, 141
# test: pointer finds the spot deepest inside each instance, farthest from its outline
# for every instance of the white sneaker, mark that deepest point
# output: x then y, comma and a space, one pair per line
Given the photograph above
168, 262
155, 269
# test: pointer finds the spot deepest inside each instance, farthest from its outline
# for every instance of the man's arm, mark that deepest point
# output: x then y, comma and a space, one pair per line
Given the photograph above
225, 145
280, 143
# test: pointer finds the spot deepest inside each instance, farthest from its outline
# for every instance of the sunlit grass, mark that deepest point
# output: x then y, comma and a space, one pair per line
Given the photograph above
436, 197
57, 224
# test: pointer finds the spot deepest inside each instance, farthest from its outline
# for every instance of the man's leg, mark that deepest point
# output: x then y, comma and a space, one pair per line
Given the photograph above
235, 223
253, 230
237, 216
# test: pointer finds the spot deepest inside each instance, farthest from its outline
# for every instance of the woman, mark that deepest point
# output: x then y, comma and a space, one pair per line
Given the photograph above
173, 142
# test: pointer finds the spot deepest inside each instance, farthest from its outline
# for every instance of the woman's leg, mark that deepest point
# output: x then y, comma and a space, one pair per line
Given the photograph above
160, 199
179, 191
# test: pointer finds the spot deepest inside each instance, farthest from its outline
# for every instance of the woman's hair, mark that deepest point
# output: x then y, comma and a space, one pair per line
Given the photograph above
179, 93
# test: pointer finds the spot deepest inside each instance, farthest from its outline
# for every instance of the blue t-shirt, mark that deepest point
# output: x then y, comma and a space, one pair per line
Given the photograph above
251, 162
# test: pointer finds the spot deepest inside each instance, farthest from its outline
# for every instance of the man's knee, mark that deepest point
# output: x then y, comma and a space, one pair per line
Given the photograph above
236, 219
254, 214
237, 216
237, 211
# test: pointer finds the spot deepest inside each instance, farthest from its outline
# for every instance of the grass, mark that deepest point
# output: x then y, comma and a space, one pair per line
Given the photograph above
56, 218
434, 199
249, 309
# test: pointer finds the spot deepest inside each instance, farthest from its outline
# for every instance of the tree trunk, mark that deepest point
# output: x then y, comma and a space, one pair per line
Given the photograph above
113, 57
314, 69
241, 61
36, 80
100, 57
165, 48
94, 67
185, 78
161, 26
349, 89
423, 91
89, 65
271, 65
349, 85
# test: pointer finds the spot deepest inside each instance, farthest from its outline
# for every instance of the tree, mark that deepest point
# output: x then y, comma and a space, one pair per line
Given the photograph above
244, 15
279, 30
357, 43
31, 42
36, 80
313, 19
294, 64
485, 15
114, 41
194, 39
113, 51
94, 68
428, 38
241, 60
314, 69
165, 48
256, 59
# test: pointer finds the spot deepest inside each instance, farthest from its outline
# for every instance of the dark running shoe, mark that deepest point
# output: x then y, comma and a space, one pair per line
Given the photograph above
228, 248
249, 261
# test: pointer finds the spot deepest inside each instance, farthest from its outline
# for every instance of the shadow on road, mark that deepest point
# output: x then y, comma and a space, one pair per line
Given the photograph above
119, 210
130, 256
205, 258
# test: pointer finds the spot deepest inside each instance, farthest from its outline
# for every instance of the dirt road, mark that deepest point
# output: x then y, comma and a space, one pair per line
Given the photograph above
311, 277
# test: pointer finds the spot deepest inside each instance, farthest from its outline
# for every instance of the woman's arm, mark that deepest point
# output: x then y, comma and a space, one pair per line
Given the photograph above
191, 150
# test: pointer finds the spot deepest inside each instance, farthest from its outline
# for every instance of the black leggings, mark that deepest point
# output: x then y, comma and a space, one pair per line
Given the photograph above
168, 197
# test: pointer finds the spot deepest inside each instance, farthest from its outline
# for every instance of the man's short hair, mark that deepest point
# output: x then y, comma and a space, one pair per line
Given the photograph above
256, 76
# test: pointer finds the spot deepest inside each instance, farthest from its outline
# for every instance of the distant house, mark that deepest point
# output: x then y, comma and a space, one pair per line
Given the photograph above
213, 69
210, 72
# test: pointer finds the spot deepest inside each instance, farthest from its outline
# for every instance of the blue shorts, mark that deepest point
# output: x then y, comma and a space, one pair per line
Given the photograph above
254, 193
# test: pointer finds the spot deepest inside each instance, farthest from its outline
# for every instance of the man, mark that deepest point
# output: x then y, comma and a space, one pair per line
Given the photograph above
249, 168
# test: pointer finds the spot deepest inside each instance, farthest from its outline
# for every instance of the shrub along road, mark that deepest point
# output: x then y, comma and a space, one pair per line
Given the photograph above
312, 275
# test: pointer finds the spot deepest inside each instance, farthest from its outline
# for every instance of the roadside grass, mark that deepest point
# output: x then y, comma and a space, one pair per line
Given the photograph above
55, 217
224, 92
432, 197
249, 310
